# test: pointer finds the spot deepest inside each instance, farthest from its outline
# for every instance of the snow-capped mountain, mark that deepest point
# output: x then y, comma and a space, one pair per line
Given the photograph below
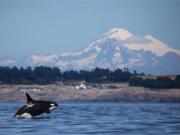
117, 48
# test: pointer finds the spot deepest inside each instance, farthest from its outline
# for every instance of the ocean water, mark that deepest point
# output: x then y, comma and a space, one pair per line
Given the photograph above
95, 119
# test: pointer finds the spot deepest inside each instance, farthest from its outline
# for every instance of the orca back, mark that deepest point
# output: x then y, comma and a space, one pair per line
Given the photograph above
35, 107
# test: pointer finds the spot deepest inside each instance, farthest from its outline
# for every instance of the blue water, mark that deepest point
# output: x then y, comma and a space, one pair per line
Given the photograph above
95, 119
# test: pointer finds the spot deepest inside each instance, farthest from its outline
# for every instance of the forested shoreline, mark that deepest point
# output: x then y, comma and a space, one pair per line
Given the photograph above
50, 75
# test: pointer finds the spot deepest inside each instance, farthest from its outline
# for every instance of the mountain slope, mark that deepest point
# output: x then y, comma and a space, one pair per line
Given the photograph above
118, 48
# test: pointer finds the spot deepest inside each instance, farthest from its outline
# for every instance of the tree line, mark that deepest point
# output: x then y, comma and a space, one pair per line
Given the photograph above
48, 75
158, 83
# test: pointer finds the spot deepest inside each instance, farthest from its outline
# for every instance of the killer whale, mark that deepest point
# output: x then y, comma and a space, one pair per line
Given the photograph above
35, 107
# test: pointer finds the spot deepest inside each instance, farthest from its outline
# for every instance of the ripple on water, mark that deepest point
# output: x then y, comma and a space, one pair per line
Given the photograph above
95, 119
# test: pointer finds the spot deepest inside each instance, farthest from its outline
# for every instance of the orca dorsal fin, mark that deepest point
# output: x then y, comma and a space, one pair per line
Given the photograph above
29, 99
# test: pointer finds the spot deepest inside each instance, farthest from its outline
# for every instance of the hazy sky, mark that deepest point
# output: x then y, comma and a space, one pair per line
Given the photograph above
53, 26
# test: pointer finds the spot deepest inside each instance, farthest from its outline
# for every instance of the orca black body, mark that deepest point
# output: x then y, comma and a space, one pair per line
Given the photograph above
34, 108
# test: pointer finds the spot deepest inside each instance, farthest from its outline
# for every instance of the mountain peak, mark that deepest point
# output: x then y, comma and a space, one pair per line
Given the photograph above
118, 33
118, 48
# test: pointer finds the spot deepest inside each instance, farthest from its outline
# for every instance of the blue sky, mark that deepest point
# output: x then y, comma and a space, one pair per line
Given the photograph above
53, 26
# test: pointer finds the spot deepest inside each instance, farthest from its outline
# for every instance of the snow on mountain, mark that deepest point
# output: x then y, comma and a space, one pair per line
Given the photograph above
7, 62
118, 33
117, 48
150, 44
42, 59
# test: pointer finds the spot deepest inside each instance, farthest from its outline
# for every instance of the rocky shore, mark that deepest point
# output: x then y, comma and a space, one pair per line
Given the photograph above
103, 92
